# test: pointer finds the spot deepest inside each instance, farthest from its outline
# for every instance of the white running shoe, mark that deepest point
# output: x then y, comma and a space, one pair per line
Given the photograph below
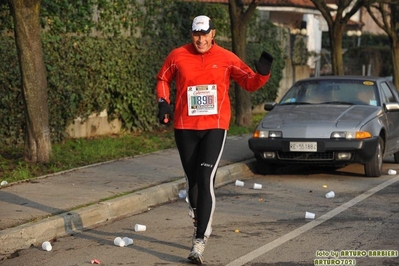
194, 238
197, 250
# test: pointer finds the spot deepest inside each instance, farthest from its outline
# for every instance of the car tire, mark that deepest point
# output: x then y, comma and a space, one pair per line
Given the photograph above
374, 167
264, 168
396, 157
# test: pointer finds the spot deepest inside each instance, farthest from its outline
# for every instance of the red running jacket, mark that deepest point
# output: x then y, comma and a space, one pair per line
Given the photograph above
202, 85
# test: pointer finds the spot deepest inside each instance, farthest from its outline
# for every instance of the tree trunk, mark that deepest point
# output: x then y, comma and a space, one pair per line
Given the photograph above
336, 26
395, 60
34, 79
394, 39
243, 106
239, 23
385, 10
336, 50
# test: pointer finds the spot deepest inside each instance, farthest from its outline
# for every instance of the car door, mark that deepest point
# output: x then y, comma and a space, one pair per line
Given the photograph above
392, 118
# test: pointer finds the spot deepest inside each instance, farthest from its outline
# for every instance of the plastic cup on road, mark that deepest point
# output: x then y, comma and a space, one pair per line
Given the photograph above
239, 183
330, 195
127, 240
182, 194
140, 227
119, 242
47, 246
309, 215
257, 186
391, 172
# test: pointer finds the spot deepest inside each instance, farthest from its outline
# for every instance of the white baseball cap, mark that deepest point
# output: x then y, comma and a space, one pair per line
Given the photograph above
202, 24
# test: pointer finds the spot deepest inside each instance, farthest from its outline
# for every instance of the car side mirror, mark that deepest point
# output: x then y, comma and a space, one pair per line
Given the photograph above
269, 106
391, 107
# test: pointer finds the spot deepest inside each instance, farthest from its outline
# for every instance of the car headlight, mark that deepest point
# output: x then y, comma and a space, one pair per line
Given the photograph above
350, 135
275, 134
267, 134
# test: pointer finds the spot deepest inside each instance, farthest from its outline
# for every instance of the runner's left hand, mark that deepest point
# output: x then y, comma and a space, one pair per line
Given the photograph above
264, 64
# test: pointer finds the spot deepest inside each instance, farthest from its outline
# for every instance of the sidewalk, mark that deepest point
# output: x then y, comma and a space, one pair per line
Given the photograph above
59, 204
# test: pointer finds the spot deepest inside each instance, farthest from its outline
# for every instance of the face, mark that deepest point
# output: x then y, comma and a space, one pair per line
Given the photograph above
202, 41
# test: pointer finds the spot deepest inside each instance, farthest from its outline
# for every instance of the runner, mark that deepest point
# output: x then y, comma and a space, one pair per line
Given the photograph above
202, 71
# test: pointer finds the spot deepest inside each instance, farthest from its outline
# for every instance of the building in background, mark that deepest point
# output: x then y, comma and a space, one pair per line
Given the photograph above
303, 22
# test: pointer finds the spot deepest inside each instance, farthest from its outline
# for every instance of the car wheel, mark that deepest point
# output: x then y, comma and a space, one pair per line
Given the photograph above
374, 167
263, 167
396, 157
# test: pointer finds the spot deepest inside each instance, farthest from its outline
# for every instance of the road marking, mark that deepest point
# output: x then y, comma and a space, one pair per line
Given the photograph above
281, 240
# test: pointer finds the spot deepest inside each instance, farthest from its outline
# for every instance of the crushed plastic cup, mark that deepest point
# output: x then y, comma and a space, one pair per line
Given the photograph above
391, 172
119, 242
128, 241
182, 194
239, 183
257, 186
309, 215
330, 195
95, 261
47, 246
140, 227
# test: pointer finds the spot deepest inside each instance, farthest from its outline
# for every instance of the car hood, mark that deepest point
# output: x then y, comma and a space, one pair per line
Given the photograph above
317, 121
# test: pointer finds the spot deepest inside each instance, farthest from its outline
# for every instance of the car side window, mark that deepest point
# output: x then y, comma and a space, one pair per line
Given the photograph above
387, 94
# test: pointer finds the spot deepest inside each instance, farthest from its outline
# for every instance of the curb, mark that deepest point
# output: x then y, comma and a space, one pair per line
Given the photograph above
34, 233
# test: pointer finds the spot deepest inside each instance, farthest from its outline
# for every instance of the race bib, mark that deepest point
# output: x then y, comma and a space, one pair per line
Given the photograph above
202, 100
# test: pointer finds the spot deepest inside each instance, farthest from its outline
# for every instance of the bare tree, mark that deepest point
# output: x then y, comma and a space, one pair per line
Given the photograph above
239, 18
25, 15
337, 19
385, 13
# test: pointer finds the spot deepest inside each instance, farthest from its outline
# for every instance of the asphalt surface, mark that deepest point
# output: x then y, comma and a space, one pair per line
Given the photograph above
61, 204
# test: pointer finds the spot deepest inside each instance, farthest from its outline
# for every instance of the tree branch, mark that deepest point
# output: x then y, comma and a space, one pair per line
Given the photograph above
325, 11
250, 11
358, 4
384, 25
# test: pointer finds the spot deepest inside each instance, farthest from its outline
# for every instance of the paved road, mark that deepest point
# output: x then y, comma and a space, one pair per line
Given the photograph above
58, 205
254, 227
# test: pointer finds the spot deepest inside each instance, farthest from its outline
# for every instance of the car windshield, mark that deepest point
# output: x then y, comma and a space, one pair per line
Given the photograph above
332, 91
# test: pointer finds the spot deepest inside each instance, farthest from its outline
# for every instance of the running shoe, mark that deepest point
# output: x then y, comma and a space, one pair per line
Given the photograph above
194, 238
196, 251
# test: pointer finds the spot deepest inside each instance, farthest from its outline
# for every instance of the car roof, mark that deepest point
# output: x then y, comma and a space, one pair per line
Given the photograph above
324, 78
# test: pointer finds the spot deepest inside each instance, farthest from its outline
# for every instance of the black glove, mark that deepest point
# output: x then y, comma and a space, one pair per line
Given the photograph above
264, 64
165, 113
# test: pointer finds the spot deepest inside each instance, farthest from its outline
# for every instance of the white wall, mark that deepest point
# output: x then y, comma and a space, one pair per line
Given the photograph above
314, 34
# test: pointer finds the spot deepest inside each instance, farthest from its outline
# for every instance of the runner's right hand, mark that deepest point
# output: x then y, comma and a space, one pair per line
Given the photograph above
165, 114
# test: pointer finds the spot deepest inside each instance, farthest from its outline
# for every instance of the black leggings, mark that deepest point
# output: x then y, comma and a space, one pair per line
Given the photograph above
200, 152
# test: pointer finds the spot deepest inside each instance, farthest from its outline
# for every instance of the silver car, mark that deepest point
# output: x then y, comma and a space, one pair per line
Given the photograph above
333, 121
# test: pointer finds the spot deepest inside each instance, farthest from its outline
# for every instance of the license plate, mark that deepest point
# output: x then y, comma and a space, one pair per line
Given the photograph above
303, 146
